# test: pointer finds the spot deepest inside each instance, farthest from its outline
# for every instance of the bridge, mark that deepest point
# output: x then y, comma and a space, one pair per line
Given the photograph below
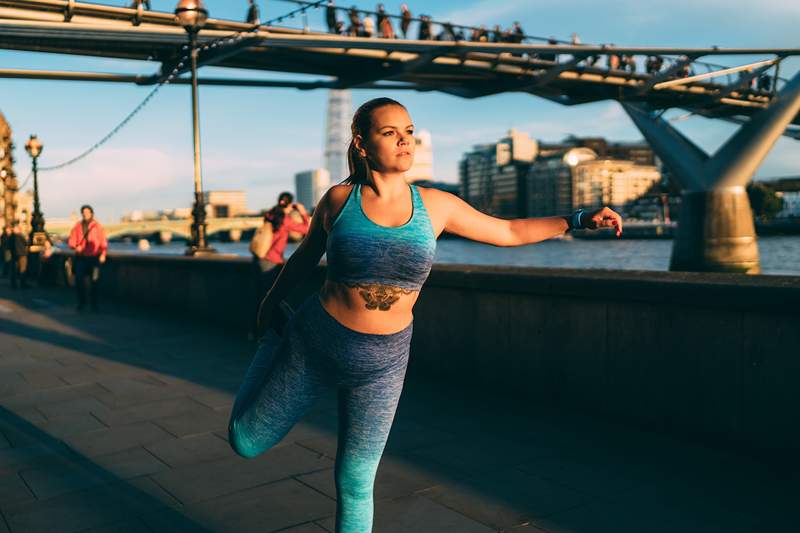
164, 230
716, 231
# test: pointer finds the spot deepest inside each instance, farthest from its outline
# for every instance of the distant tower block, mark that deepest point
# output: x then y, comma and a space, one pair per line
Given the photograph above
337, 134
310, 185
422, 169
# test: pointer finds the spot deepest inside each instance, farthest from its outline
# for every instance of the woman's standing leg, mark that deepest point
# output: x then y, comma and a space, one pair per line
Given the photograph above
366, 413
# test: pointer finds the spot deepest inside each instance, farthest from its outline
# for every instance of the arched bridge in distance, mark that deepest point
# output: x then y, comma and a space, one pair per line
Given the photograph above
716, 231
166, 229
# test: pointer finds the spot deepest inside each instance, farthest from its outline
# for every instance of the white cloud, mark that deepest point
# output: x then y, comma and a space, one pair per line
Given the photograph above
110, 176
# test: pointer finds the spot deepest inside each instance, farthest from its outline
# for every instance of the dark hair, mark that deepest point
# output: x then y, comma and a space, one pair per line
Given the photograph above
360, 171
87, 206
285, 196
277, 214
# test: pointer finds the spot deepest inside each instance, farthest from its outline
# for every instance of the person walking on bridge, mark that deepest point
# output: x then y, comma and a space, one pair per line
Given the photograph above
330, 17
253, 16
88, 239
379, 234
136, 3
384, 23
405, 20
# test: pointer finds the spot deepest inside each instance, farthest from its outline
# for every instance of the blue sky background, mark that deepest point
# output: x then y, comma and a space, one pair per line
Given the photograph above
256, 139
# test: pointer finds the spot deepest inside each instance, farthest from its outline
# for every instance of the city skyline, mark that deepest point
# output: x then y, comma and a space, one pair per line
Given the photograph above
257, 139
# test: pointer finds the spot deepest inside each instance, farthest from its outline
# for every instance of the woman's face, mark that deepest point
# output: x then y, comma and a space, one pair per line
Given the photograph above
390, 141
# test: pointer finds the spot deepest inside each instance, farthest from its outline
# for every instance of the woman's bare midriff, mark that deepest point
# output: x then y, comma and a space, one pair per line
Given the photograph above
349, 306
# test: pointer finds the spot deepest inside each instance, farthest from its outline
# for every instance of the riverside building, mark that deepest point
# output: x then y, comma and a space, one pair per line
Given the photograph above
494, 176
577, 177
311, 185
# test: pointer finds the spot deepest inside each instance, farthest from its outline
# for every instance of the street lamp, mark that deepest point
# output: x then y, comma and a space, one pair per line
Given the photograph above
192, 15
38, 237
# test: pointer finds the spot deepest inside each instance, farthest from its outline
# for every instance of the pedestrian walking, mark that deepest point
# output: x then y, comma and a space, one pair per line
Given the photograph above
405, 20
253, 16
136, 3
425, 31
88, 239
5, 249
356, 27
19, 257
384, 23
330, 17
368, 27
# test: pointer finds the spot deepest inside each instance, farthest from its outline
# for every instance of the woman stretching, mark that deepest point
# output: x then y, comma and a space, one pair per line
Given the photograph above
380, 237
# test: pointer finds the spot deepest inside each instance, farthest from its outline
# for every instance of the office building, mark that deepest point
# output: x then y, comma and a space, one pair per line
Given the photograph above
225, 204
494, 176
560, 183
337, 134
422, 169
310, 186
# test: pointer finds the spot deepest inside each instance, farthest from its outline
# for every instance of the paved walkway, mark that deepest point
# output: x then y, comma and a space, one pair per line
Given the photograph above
115, 422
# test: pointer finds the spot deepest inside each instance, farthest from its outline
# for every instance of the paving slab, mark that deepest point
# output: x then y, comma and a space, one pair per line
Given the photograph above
54, 480
152, 409
130, 463
194, 422
62, 426
211, 479
79, 510
114, 439
270, 507
506, 498
128, 526
417, 514
191, 450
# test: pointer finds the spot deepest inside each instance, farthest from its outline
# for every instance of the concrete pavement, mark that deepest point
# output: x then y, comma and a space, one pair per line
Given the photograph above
115, 422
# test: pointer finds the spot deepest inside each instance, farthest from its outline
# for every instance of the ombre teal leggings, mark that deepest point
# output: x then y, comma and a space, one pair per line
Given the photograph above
285, 377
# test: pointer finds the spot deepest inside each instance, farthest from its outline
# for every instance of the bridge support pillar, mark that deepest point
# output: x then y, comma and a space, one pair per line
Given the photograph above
235, 235
716, 232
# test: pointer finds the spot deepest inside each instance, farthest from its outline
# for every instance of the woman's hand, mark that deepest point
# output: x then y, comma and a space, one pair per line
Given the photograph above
271, 316
604, 218
264, 317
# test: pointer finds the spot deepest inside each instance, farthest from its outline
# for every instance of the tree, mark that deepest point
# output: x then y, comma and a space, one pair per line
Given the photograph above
764, 200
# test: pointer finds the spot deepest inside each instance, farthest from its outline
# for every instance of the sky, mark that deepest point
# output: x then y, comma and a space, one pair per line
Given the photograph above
256, 139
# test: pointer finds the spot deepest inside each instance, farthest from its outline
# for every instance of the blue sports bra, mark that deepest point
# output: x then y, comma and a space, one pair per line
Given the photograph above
361, 251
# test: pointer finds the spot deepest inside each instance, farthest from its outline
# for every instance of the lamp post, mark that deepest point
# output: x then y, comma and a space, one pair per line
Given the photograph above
192, 15
38, 237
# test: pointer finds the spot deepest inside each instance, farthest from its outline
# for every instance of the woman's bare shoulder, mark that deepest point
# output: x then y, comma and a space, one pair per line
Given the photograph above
339, 191
334, 200
435, 197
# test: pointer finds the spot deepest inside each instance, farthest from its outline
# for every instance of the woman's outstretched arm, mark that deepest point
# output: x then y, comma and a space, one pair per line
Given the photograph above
462, 219
299, 266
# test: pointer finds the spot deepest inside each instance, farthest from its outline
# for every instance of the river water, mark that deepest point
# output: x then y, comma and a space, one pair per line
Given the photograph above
779, 254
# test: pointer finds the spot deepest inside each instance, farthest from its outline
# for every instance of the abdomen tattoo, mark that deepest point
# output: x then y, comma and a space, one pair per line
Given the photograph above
377, 296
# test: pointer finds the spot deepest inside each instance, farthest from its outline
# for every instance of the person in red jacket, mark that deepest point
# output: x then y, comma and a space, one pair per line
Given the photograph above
88, 240
282, 225
269, 266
